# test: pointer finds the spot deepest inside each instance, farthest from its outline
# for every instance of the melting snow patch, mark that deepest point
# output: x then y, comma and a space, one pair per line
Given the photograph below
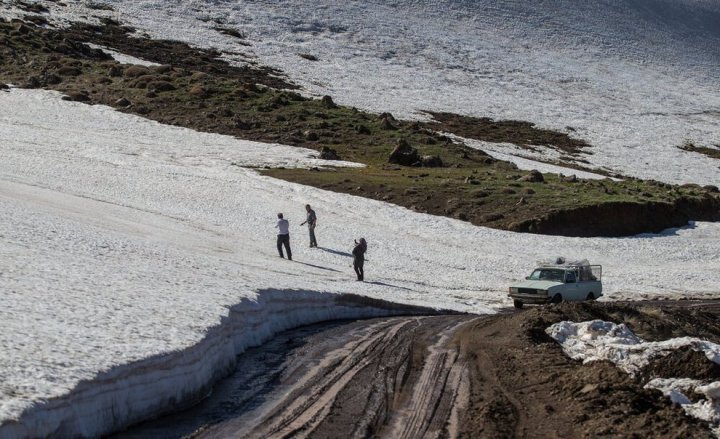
122, 58
599, 340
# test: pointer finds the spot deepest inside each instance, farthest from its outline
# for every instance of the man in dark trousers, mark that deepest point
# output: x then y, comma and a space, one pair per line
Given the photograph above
283, 237
311, 222
359, 258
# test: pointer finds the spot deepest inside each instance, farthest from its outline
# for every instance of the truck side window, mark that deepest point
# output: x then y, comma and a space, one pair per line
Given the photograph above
570, 277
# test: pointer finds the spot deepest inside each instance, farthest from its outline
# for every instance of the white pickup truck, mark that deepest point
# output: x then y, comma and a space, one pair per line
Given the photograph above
553, 283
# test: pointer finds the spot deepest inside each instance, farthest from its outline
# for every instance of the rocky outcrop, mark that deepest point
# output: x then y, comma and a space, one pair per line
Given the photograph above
623, 218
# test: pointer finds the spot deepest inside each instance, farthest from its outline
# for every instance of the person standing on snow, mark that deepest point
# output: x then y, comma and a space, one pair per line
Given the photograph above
359, 258
311, 222
283, 238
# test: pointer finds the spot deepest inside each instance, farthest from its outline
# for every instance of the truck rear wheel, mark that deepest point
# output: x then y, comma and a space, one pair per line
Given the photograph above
590, 297
517, 303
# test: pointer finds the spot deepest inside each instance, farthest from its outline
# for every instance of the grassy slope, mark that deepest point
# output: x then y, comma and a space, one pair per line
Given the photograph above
200, 91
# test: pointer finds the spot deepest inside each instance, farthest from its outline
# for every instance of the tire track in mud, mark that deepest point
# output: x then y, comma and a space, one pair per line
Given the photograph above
394, 372
445, 376
387, 377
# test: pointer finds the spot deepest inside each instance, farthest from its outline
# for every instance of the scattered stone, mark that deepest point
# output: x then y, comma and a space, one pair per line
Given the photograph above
151, 94
136, 71
201, 76
68, 71
528, 191
160, 86
431, 161
404, 154
708, 188
311, 135
462, 216
385, 124
508, 190
115, 71
243, 125
327, 153
4, 87
77, 96
122, 102
491, 217
570, 179
33, 82
362, 129
533, 177
589, 388
328, 102
198, 90
53, 79
308, 56
165, 68
386, 121
480, 194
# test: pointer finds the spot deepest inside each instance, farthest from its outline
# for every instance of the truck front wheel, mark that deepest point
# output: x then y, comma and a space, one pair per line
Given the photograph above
557, 298
517, 303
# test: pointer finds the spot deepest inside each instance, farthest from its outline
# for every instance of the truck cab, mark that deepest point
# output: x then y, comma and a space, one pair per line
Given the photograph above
553, 283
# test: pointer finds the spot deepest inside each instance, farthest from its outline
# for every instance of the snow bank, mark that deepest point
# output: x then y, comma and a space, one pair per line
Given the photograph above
139, 390
605, 341
636, 79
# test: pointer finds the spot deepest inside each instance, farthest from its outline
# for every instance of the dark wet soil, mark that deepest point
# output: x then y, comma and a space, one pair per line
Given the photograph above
453, 376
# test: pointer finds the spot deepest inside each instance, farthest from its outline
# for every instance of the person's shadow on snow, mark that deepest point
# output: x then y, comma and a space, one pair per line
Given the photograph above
335, 252
317, 266
388, 285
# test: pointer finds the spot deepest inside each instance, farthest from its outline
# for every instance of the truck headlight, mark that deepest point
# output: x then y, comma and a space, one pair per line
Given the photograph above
512, 290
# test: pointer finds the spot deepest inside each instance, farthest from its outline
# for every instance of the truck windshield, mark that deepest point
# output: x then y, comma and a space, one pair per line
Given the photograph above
548, 274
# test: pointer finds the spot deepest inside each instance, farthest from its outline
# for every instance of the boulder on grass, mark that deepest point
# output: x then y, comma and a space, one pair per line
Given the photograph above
533, 177
327, 153
77, 96
404, 154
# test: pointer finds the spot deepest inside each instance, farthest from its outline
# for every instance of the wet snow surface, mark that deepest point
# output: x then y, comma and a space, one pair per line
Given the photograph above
122, 239
598, 340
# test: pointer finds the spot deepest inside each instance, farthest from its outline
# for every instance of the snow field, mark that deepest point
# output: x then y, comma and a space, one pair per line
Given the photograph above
598, 340
127, 244
636, 79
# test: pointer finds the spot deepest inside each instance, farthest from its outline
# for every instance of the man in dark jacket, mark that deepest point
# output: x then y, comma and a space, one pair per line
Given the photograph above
359, 258
311, 222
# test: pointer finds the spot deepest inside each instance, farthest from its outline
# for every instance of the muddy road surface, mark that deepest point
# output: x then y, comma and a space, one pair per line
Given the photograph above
450, 376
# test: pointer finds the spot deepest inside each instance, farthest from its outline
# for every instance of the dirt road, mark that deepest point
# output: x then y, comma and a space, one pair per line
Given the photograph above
450, 376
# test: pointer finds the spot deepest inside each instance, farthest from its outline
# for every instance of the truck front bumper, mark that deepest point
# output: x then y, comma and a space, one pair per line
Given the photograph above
530, 298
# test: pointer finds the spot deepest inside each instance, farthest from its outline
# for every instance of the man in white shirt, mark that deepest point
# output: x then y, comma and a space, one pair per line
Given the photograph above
283, 238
